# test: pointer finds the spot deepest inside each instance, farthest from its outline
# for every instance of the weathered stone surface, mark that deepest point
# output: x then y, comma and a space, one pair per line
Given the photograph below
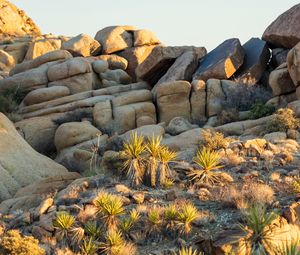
135, 56
198, 101
100, 66
114, 61
72, 133
279, 56
117, 76
280, 81
17, 50
215, 97
222, 62
179, 125
293, 63
172, 100
15, 21
32, 195
28, 80
69, 68
283, 100
45, 94
20, 165
295, 106
257, 56
160, 60
285, 30
41, 47
82, 45
144, 37
77, 83
115, 38
6, 61
147, 131
183, 68
48, 57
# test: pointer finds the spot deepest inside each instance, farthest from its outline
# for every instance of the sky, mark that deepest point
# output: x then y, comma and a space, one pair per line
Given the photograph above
175, 22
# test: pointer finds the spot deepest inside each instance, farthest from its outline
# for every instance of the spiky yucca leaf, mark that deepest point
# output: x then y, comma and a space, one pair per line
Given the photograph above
113, 244
171, 216
89, 246
64, 222
126, 225
134, 215
189, 251
110, 207
92, 229
77, 234
208, 160
186, 215
258, 228
288, 248
165, 156
134, 163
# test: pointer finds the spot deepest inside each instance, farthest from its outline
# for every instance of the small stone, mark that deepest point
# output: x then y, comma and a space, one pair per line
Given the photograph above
138, 197
46, 222
293, 134
294, 173
121, 188
274, 177
44, 206
171, 195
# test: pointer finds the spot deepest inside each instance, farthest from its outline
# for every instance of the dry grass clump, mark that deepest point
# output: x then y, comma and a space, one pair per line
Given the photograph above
246, 196
283, 120
214, 140
227, 116
14, 243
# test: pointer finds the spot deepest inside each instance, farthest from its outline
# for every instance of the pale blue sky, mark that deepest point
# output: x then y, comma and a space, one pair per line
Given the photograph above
175, 22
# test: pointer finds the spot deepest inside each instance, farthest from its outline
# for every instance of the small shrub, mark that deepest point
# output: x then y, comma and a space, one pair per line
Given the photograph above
155, 220
214, 140
10, 100
88, 246
227, 116
13, 243
92, 229
283, 120
259, 110
208, 161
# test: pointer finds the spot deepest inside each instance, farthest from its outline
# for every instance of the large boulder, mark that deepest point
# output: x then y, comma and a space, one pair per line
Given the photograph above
114, 61
285, 30
41, 47
72, 133
14, 21
7, 61
280, 81
257, 56
144, 37
183, 68
17, 50
279, 56
115, 38
172, 99
293, 62
52, 56
20, 165
215, 97
198, 101
82, 45
160, 60
222, 62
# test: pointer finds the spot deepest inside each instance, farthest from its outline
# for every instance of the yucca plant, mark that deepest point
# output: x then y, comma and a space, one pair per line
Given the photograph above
153, 147
89, 246
288, 248
171, 216
258, 229
134, 163
113, 244
154, 220
92, 229
64, 223
187, 214
77, 234
165, 157
189, 251
109, 206
296, 184
134, 215
208, 161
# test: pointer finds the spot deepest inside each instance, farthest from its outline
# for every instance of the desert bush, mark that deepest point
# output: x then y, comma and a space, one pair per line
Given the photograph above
10, 100
258, 229
13, 243
247, 195
228, 115
283, 120
208, 161
213, 140
259, 110
244, 96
